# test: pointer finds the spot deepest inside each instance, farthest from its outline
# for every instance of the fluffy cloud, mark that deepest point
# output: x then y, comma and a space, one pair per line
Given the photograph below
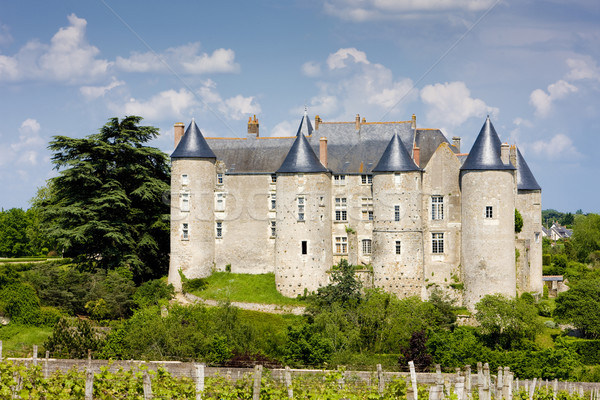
167, 104
26, 150
542, 101
583, 68
184, 59
237, 107
352, 84
560, 145
450, 104
5, 36
68, 58
368, 10
311, 69
284, 128
93, 92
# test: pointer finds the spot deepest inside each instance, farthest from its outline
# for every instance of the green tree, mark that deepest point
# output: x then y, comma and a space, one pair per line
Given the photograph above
586, 236
509, 323
580, 306
13, 233
344, 287
106, 206
518, 221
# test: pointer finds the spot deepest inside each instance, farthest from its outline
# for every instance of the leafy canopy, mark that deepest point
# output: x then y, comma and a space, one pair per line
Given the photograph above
580, 306
106, 207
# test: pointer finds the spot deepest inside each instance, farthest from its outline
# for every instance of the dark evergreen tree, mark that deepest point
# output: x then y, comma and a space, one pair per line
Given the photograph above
106, 207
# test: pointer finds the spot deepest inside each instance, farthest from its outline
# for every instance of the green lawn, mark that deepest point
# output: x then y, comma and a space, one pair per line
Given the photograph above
247, 288
18, 341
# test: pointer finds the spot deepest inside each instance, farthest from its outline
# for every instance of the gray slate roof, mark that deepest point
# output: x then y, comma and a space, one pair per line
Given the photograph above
305, 126
485, 153
428, 140
301, 158
395, 158
525, 178
193, 144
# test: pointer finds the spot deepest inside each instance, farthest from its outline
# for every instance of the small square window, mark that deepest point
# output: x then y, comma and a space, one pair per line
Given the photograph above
273, 226
273, 201
489, 212
366, 179
341, 213
219, 179
301, 205
437, 243
219, 227
304, 245
185, 180
366, 247
185, 202
397, 213
273, 178
185, 232
398, 247
341, 244
339, 180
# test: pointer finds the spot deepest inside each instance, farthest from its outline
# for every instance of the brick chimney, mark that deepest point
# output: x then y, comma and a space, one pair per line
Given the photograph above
357, 122
317, 122
178, 130
456, 143
413, 122
417, 155
513, 155
252, 127
505, 153
323, 151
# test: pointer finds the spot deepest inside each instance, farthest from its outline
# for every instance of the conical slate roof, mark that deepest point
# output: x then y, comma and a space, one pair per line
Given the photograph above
305, 125
485, 153
301, 158
193, 144
525, 178
395, 158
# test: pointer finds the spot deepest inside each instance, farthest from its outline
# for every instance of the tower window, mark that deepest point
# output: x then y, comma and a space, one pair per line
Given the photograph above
220, 201
341, 244
396, 213
304, 247
437, 207
185, 180
366, 247
219, 228
273, 178
300, 208
489, 212
398, 247
273, 201
437, 243
367, 208
185, 232
537, 237
273, 226
185, 202
341, 213
219, 179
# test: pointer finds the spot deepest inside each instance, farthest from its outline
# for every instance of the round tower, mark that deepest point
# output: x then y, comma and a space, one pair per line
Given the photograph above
397, 226
303, 252
488, 215
193, 176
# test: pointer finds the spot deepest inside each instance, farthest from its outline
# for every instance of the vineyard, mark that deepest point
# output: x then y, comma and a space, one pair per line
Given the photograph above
30, 379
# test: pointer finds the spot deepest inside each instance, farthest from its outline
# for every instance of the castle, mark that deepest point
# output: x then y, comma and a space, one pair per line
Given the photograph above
401, 201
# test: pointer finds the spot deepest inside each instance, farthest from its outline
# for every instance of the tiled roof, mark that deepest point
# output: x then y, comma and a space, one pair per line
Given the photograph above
301, 158
395, 158
525, 178
193, 144
485, 153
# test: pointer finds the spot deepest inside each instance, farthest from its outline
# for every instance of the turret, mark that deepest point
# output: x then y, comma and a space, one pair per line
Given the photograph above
487, 213
397, 226
193, 176
303, 247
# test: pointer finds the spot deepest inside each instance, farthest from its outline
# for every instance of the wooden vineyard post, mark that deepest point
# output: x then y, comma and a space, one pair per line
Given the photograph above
257, 377
199, 379
380, 380
147, 386
89, 385
413, 379
288, 383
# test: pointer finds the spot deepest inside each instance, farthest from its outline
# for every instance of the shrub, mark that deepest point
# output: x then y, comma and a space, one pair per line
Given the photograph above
20, 303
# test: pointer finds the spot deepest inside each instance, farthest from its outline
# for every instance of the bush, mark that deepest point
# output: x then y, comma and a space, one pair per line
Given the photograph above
152, 292
589, 350
20, 303
72, 339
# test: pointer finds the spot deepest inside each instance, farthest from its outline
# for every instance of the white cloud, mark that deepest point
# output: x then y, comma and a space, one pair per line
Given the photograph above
26, 150
184, 59
69, 58
284, 128
559, 146
237, 107
93, 92
167, 104
311, 69
338, 59
368, 10
450, 104
5, 36
542, 101
583, 68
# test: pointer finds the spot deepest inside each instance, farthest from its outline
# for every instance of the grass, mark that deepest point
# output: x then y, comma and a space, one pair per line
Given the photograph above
18, 340
24, 259
224, 286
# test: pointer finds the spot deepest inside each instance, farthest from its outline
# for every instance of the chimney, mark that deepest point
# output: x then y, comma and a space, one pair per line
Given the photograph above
456, 143
417, 156
413, 122
505, 153
252, 127
513, 155
357, 122
323, 151
179, 130
317, 122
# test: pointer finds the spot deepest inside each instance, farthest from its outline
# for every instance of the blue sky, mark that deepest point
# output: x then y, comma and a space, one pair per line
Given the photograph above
66, 67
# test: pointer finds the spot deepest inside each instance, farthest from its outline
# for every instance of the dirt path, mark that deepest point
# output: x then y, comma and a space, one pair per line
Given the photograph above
188, 298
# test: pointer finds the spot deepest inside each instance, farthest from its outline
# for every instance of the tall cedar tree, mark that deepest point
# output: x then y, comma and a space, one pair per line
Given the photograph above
106, 208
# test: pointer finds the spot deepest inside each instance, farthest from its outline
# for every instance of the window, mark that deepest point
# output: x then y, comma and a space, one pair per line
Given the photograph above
537, 237
396, 213
367, 208
366, 179
273, 178
437, 243
398, 247
366, 247
304, 247
489, 212
397, 179
219, 179
273, 202
300, 179
219, 227
339, 180
185, 180
185, 202
185, 232
273, 225
300, 208
437, 207
341, 213
341, 244
220, 202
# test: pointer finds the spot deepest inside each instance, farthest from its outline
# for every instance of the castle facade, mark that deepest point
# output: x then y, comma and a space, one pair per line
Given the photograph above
403, 202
